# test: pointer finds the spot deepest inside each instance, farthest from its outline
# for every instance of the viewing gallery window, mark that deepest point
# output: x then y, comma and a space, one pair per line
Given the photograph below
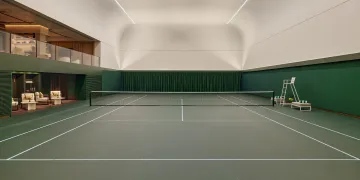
26, 45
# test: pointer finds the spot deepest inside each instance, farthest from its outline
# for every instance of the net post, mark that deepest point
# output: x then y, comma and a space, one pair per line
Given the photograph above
90, 97
273, 98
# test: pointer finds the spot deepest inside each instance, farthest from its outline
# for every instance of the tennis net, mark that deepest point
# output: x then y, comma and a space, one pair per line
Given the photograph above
122, 98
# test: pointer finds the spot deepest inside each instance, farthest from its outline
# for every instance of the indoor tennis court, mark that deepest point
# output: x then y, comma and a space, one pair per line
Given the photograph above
177, 141
179, 90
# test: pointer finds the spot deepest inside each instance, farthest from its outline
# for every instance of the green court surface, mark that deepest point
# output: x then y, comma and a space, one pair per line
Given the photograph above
79, 141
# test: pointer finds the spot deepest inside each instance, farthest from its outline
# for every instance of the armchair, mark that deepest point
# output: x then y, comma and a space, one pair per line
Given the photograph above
40, 98
55, 97
28, 99
15, 103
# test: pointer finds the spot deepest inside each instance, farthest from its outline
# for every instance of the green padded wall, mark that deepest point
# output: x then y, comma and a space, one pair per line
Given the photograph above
332, 86
92, 83
45, 83
110, 81
80, 87
20, 86
71, 86
180, 81
5, 93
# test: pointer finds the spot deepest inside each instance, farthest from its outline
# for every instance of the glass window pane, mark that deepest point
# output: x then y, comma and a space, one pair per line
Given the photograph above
23, 46
4, 42
86, 59
62, 54
45, 50
96, 61
76, 57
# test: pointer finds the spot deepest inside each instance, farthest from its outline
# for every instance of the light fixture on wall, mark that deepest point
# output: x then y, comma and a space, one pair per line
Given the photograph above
21, 28
124, 11
237, 12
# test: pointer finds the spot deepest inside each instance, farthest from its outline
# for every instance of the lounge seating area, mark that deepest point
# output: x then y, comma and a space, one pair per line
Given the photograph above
31, 101
34, 91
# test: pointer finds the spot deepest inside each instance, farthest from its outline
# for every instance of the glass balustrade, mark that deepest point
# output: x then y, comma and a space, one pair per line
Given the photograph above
20, 45
63, 54
86, 59
76, 57
4, 42
95, 61
45, 50
23, 46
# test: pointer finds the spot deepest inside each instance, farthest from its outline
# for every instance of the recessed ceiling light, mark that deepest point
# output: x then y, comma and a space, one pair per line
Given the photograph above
237, 12
124, 11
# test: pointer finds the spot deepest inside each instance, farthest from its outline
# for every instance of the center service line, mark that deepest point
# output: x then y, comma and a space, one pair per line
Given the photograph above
182, 110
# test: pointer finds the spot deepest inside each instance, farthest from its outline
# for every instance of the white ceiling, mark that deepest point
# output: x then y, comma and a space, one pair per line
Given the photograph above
181, 11
179, 25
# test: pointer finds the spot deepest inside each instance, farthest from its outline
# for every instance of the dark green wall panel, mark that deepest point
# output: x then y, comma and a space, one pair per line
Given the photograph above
92, 83
46, 83
111, 81
71, 86
80, 87
180, 81
5, 93
77, 86
20, 85
333, 86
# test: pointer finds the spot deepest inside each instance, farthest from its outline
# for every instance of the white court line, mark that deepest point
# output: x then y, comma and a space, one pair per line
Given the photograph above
125, 120
41, 117
179, 160
71, 130
295, 130
182, 110
302, 120
27, 132
176, 121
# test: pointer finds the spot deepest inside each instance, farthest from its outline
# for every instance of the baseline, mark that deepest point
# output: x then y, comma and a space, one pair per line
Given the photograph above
178, 160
